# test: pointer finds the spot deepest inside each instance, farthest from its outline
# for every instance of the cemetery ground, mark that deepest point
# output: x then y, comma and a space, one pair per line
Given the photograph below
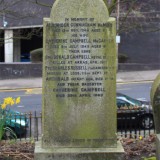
135, 149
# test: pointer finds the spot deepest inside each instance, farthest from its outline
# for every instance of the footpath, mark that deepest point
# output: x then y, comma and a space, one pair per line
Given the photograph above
122, 77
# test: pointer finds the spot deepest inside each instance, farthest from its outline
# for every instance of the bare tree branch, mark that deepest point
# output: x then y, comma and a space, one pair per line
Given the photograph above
40, 3
128, 9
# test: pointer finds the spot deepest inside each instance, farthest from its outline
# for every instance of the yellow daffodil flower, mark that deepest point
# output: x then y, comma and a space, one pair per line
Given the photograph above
3, 106
18, 99
10, 101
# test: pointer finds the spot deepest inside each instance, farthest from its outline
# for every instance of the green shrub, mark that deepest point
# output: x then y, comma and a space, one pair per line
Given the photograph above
122, 58
36, 55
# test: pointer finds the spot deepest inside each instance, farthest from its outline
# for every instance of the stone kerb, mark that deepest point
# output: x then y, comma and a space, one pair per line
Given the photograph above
155, 100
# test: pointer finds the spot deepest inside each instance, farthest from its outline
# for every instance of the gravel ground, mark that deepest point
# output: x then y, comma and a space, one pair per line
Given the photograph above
140, 148
134, 149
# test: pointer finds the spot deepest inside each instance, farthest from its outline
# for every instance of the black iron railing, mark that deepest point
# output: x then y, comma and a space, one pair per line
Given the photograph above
131, 123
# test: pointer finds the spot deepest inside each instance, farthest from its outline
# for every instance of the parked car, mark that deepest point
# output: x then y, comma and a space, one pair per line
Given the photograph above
25, 57
134, 112
16, 121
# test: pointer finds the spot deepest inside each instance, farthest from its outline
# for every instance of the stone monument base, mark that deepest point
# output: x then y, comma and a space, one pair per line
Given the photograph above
79, 153
158, 146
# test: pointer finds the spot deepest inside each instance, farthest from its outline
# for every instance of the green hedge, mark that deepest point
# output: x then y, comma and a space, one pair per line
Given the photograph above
122, 58
36, 55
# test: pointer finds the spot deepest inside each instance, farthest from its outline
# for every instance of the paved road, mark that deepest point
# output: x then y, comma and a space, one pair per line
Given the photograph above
31, 99
136, 90
30, 102
122, 77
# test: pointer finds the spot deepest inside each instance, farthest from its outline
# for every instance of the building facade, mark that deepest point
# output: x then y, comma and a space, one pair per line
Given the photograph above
21, 25
21, 30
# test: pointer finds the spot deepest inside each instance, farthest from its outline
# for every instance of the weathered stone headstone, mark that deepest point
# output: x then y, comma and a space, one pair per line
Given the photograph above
155, 100
79, 83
